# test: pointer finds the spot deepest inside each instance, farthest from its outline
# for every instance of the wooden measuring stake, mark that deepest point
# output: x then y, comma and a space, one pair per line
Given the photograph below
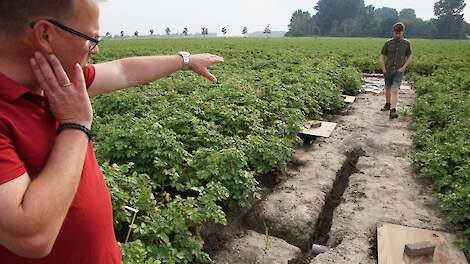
135, 211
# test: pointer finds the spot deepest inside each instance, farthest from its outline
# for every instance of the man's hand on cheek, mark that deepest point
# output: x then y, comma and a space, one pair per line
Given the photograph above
68, 99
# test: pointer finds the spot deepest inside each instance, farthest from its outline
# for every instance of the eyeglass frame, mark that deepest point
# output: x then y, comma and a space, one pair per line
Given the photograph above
72, 31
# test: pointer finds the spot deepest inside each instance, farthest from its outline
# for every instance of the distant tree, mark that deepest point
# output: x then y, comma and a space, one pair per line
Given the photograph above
386, 17
108, 35
385, 27
334, 12
422, 29
449, 7
407, 15
414, 26
267, 30
369, 22
352, 18
224, 31
185, 31
347, 27
151, 32
205, 31
245, 31
384, 13
167, 31
450, 19
136, 33
302, 24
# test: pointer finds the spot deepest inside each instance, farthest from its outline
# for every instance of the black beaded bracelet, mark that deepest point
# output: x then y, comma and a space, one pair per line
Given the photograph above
75, 126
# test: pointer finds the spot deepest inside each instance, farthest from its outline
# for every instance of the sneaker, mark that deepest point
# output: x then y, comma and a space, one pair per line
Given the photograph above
386, 107
393, 113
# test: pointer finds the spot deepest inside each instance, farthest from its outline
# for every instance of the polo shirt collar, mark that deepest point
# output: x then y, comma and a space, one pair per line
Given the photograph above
10, 90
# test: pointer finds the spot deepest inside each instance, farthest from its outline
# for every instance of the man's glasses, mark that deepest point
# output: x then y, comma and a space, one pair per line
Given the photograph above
94, 42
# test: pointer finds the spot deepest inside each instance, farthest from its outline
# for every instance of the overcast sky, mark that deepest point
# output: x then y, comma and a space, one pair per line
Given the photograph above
141, 15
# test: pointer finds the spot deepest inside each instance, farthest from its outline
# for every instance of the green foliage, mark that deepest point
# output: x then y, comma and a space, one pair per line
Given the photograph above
349, 81
407, 14
331, 12
186, 148
165, 227
302, 24
442, 138
449, 7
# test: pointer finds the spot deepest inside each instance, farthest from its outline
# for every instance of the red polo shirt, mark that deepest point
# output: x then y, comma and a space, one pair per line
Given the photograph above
27, 135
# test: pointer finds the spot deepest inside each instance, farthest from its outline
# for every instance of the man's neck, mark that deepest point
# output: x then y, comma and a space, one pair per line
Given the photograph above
19, 70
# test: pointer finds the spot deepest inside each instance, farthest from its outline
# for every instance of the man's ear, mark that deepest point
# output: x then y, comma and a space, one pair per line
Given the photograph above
42, 36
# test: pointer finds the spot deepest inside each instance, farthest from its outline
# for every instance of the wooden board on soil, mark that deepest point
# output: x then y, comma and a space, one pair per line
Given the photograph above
325, 130
377, 75
349, 99
406, 86
393, 238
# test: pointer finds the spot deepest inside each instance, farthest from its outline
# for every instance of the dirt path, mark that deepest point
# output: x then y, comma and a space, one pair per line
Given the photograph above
347, 185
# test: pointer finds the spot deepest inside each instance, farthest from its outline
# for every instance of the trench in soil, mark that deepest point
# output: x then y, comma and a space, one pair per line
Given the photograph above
321, 234
216, 236
333, 199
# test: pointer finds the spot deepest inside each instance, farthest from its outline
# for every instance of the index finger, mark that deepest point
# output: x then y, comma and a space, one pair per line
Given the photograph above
216, 56
216, 59
79, 77
47, 72
39, 76
62, 77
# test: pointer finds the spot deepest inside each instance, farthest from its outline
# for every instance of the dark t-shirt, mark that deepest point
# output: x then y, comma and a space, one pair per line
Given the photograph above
396, 52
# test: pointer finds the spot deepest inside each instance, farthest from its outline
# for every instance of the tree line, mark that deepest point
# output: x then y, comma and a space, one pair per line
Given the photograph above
205, 32
352, 18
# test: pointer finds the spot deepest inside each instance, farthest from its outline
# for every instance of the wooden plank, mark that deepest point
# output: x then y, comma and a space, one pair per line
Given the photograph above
374, 85
374, 80
405, 87
393, 238
379, 75
325, 130
349, 99
373, 88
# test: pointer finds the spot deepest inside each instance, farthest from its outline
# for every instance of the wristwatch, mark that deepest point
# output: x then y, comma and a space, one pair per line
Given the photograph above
186, 57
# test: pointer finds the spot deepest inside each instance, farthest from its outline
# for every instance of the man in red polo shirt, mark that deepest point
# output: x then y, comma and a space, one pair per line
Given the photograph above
54, 204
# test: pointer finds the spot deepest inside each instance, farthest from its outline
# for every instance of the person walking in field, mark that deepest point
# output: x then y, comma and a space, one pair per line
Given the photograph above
394, 59
54, 205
